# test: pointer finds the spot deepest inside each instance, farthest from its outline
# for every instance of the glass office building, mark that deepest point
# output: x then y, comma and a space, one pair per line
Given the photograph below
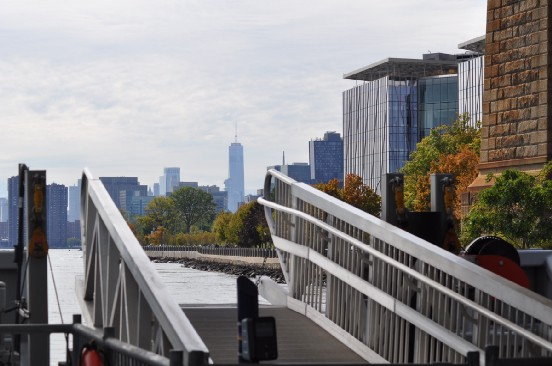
379, 127
398, 103
438, 105
470, 79
470, 88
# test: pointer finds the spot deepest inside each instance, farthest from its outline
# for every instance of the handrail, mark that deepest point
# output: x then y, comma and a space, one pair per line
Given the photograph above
117, 353
352, 269
125, 290
411, 272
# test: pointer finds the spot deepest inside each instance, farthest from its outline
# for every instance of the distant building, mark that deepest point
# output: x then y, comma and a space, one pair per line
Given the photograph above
156, 189
4, 242
13, 213
250, 198
169, 180
235, 182
326, 158
187, 184
219, 197
73, 211
301, 172
56, 231
115, 185
138, 204
74, 230
3, 209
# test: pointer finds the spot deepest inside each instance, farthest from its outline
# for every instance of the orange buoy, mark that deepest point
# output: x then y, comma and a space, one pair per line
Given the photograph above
91, 356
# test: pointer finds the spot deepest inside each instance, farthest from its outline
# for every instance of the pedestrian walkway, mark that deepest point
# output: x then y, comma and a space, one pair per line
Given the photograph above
299, 339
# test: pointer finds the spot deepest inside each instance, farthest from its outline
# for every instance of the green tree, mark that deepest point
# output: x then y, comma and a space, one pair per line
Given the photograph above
518, 207
220, 226
442, 141
194, 207
247, 227
160, 212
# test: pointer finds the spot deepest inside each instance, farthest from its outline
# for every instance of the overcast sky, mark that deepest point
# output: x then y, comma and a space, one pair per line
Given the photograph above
126, 88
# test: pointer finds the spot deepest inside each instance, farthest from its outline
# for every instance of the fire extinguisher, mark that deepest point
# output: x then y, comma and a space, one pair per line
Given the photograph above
91, 356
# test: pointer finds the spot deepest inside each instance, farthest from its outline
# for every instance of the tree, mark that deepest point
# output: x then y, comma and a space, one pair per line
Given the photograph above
518, 207
220, 226
355, 193
445, 144
160, 212
248, 227
194, 207
360, 195
331, 188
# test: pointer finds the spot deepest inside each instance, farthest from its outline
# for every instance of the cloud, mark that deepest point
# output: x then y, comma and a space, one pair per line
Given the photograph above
129, 87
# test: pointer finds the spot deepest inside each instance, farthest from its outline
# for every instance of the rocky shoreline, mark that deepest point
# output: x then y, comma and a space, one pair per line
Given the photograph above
233, 269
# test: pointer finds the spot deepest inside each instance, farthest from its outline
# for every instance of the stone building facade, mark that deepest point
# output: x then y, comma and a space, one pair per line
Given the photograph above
516, 132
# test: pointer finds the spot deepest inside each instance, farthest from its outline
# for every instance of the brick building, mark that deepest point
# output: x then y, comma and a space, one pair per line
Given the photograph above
515, 128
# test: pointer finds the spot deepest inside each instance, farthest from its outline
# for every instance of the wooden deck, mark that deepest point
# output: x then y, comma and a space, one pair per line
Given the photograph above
299, 339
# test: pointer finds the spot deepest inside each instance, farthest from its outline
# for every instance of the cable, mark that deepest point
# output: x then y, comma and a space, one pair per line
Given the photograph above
24, 279
55, 289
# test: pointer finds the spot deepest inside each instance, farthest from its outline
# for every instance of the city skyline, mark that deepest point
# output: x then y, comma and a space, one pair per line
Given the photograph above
125, 89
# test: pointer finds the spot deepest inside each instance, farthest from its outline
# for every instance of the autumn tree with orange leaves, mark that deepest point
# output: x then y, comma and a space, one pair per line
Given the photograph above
354, 192
450, 149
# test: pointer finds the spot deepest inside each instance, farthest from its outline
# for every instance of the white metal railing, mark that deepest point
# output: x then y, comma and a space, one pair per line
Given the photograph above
122, 287
391, 296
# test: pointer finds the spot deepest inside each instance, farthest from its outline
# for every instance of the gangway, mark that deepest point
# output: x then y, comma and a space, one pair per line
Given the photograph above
389, 295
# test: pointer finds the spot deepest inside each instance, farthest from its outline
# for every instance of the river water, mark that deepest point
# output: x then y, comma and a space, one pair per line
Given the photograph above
187, 286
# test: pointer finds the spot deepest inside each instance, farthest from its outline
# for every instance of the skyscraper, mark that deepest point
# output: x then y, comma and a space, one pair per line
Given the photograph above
3, 209
171, 179
13, 213
73, 213
326, 158
235, 182
56, 201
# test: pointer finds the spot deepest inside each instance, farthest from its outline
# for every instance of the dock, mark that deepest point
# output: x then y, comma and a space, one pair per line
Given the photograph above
300, 340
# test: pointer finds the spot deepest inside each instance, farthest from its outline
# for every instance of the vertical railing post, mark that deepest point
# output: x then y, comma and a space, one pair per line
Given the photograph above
176, 358
78, 342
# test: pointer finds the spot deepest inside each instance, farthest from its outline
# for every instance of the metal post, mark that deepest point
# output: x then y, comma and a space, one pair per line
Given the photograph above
176, 358
37, 275
78, 342
437, 192
2, 307
248, 307
388, 206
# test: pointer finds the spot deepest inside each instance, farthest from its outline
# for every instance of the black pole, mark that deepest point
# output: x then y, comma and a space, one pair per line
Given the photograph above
18, 249
248, 307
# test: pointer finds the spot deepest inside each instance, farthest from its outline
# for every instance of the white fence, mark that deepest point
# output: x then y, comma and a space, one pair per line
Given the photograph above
122, 288
392, 296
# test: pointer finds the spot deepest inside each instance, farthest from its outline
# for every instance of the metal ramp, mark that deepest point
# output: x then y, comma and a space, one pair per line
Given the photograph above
389, 295
384, 293
299, 339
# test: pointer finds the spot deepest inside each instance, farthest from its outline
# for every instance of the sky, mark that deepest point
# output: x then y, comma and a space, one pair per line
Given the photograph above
126, 88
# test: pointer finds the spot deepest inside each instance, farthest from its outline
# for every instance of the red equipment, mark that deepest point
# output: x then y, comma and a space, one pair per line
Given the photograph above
498, 256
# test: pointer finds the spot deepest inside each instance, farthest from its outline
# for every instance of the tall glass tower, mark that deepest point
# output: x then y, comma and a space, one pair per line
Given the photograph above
235, 182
